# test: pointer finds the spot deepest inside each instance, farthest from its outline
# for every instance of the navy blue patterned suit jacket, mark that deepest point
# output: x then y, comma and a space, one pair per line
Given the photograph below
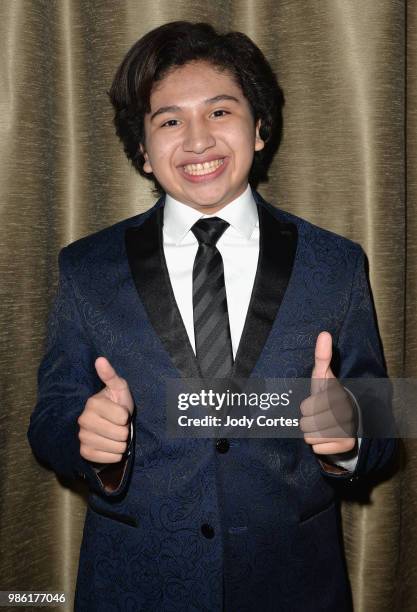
184, 527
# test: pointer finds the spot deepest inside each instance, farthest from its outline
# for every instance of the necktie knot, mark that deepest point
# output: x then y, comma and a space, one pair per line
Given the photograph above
208, 230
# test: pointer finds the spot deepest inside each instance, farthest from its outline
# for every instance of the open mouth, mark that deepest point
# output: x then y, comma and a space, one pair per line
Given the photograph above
203, 169
207, 171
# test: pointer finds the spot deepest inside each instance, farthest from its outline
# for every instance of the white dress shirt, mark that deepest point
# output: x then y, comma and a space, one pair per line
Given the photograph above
239, 248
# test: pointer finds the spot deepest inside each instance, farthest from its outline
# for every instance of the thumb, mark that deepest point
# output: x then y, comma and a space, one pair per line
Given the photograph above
117, 386
322, 359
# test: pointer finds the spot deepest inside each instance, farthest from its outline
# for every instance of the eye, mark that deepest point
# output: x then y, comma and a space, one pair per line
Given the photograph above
221, 111
169, 121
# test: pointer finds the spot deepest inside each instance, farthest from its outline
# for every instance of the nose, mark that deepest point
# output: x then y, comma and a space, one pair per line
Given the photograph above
198, 137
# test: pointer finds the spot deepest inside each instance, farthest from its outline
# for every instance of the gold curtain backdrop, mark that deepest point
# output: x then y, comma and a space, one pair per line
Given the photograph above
347, 163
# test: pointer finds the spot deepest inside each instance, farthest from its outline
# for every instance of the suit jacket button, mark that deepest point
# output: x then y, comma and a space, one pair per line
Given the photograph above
222, 445
207, 531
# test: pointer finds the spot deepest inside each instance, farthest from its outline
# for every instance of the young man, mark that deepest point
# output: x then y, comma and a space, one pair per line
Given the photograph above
211, 281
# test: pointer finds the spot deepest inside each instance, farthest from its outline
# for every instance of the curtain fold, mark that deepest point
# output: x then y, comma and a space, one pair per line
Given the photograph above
347, 163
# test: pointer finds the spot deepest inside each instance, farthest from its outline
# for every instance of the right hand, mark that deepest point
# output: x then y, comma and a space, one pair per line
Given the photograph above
105, 420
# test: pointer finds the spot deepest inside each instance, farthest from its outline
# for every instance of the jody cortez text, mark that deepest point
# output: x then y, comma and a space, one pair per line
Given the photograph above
244, 421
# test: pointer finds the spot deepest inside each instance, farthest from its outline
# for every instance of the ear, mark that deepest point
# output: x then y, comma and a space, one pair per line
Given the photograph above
259, 143
147, 165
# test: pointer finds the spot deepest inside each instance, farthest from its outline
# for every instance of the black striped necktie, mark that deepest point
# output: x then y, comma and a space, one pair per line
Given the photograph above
211, 320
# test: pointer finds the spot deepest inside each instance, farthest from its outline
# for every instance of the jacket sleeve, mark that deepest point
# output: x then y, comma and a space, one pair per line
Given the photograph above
66, 379
359, 355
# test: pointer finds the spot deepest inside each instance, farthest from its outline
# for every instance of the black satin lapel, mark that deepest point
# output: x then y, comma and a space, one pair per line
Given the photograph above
277, 247
144, 247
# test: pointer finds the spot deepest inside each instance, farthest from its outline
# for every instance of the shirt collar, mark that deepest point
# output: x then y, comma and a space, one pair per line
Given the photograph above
241, 213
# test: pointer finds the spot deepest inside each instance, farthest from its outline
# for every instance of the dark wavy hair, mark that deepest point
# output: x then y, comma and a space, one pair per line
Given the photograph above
175, 44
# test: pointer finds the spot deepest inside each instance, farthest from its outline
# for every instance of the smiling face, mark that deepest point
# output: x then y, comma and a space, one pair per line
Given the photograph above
200, 136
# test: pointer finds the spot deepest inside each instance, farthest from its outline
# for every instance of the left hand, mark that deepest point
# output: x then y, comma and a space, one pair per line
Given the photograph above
329, 417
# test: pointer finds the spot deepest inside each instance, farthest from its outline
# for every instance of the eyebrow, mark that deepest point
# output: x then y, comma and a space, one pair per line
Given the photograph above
174, 108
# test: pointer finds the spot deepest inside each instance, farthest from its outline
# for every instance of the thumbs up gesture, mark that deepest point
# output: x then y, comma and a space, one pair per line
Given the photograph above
105, 420
329, 418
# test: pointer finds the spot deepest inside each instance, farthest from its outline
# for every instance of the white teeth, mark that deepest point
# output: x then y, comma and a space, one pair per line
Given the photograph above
206, 168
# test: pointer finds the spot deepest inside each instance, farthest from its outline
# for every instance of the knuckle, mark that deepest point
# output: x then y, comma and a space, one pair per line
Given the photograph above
124, 417
81, 419
89, 403
85, 452
349, 444
94, 402
84, 422
120, 447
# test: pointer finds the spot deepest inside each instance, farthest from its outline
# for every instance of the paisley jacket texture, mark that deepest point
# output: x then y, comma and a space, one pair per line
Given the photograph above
192, 525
